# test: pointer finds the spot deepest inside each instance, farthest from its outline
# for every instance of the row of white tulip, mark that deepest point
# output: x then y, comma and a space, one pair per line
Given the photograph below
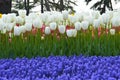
57, 20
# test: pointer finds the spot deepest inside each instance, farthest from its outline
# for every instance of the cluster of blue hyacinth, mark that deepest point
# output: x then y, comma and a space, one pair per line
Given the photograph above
61, 68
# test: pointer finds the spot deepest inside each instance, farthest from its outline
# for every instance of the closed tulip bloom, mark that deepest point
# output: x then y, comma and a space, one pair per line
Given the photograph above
37, 23
22, 13
74, 32
112, 31
53, 26
16, 31
9, 26
28, 26
2, 25
47, 30
22, 29
28, 19
73, 19
4, 18
65, 14
61, 29
19, 20
78, 26
96, 23
85, 25
69, 33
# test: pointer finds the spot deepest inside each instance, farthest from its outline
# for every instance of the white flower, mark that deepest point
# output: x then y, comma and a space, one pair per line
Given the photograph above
16, 31
47, 30
79, 16
61, 29
19, 20
73, 19
74, 32
90, 19
22, 13
53, 26
106, 18
33, 16
22, 29
95, 14
3, 31
11, 18
28, 19
115, 21
78, 26
4, 18
65, 14
28, 26
112, 31
96, 23
9, 26
2, 25
71, 33
85, 25
37, 23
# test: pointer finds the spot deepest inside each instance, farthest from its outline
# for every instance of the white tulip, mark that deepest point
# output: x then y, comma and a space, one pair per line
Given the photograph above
16, 31
47, 30
37, 23
22, 29
69, 33
53, 26
96, 23
115, 21
2, 25
90, 19
74, 32
28, 19
19, 20
22, 13
79, 16
78, 26
33, 16
28, 26
65, 14
112, 31
85, 25
3, 31
9, 26
73, 19
61, 29
4, 18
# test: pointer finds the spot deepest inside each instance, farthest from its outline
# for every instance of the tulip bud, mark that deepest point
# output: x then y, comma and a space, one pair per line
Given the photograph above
53, 26
22, 13
65, 14
74, 32
9, 26
28, 26
61, 29
16, 31
47, 30
19, 20
96, 23
112, 31
37, 23
69, 33
78, 26
85, 25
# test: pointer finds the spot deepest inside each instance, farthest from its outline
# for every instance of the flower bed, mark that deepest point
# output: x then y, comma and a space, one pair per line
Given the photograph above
59, 33
61, 68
